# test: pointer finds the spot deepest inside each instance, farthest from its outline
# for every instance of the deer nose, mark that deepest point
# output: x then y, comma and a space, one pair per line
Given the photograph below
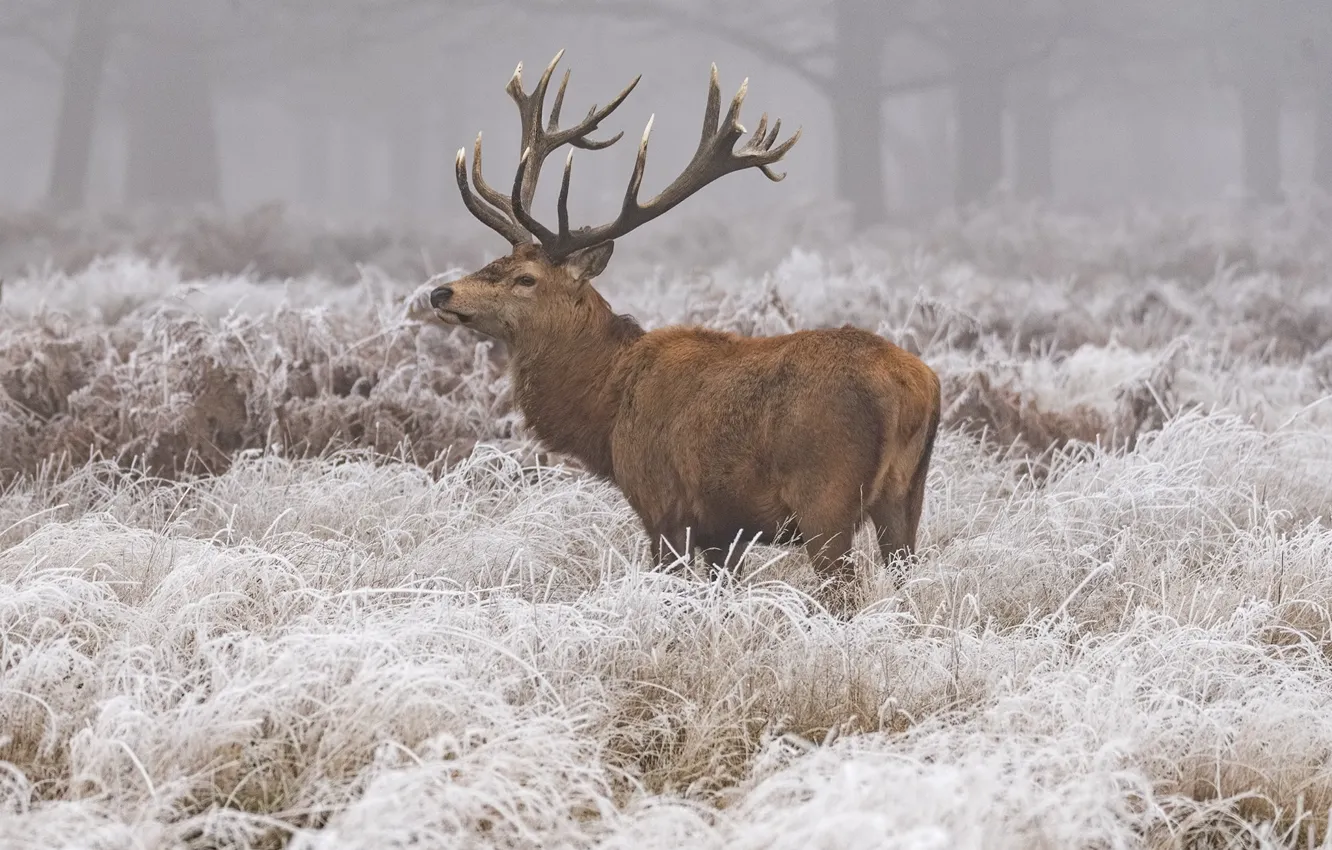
440, 296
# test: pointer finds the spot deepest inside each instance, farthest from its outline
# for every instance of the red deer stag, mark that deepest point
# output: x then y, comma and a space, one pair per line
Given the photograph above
711, 436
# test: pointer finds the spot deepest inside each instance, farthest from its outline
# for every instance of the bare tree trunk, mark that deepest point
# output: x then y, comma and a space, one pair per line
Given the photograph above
1260, 120
980, 86
1322, 166
407, 163
81, 87
173, 155
915, 170
1033, 133
924, 180
979, 105
314, 135
857, 120
1147, 137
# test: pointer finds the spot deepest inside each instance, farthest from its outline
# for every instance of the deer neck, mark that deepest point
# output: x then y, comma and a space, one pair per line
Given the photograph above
564, 387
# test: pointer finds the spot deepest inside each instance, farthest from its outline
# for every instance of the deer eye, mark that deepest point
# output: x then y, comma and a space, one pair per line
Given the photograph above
525, 280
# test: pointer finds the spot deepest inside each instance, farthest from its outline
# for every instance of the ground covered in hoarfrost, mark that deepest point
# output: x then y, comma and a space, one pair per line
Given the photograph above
279, 566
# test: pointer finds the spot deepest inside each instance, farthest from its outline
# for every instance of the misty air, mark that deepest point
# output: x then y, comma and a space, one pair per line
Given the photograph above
665, 424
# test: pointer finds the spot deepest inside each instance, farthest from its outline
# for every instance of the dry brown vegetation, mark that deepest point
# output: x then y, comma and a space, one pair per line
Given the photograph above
173, 395
163, 387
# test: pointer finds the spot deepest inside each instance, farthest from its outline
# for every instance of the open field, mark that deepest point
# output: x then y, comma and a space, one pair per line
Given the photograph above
279, 565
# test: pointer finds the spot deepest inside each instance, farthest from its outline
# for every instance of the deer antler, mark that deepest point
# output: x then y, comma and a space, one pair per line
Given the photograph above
511, 215
715, 157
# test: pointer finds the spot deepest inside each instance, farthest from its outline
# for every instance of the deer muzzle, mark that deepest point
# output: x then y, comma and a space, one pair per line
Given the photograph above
440, 295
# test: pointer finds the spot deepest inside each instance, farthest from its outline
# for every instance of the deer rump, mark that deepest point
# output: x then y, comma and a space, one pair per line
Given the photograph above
785, 438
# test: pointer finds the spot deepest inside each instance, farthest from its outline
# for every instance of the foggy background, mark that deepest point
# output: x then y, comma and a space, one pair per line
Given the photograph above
353, 109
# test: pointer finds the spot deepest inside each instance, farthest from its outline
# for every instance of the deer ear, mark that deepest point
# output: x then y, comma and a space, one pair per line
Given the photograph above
586, 264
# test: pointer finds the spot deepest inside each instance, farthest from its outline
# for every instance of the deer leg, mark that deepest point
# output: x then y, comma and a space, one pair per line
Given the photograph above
896, 518
670, 546
722, 554
836, 573
915, 502
895, 532
711, 559
828, 512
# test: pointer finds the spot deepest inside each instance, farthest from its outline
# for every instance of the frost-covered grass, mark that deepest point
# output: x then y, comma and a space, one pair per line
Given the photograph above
250, 623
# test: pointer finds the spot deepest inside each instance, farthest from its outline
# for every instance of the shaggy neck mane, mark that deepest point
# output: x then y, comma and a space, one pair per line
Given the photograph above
563, 385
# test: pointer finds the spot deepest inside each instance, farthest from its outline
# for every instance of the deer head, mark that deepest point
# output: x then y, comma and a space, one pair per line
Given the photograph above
544, 284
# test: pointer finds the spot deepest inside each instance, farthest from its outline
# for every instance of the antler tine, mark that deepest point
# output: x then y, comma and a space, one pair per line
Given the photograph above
761, 144
493, 196
515, 86
530, 105
529, 125
636, 178
529, 117
734, 128
559, 102
563, 205
713, 110
772, 154
756, 140
715, 157
521, 208
538, 96
488, 215
577, 135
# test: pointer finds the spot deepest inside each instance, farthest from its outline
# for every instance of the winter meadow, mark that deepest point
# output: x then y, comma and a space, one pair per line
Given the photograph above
280, 566
283, 565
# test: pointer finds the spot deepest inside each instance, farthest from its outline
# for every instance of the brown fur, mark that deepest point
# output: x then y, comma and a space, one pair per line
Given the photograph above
797, 438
